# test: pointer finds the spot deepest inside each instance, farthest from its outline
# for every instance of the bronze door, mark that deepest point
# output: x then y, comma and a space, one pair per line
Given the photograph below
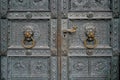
89, 31
59, 39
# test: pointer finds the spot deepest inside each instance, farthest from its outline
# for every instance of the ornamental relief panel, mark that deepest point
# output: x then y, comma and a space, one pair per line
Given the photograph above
22, 66
23, 5
89, 5
40, 29
40, 4
18, 4
102, 33
100, 66
39, 66
78, 65
19, 66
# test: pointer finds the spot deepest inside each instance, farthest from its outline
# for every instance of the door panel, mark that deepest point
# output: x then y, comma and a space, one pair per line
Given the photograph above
23, 18
79, 61
102, 32
100, 66
31, 64
78, 66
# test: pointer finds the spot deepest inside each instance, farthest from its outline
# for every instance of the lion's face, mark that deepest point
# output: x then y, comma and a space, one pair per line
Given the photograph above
90, 32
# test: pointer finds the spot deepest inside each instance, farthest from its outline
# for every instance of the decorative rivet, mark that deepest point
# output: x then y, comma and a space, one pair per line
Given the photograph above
28, 15
89, 52
90, 15
28, 52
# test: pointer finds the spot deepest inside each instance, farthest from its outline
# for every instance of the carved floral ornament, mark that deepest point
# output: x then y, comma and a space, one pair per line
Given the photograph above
79, 66
89, 3
19, 65
39, 67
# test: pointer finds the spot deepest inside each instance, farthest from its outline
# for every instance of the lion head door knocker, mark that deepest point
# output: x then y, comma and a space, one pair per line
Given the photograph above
90, 42
28, 40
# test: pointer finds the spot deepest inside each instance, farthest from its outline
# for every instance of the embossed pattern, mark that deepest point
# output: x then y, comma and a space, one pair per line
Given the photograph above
34, 15
29, 66
96, 52
53, 7
78, 65
115, 68
3, 68
3, 36
102, 32
76, 5
40, 5
115, 33
3, 8
18, 5
73, 61
100, 66
21, 5
40, 29
64, 68
54, 70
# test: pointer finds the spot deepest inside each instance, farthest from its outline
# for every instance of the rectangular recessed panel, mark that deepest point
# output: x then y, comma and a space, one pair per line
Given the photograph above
29, 66
39, 66
78, 66
19, 66
40, 28
101, 30
89, 5
18, 5
89, 67
40, 5
100, 66
25, 5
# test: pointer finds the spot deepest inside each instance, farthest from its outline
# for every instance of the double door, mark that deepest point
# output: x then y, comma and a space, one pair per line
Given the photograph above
59, 39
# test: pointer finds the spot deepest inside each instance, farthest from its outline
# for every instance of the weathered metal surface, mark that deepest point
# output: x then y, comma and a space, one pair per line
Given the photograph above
3, 36
40, 61
19, 67
59, 32
3, 8
115, 8
83, 63
23, 15
90, 15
